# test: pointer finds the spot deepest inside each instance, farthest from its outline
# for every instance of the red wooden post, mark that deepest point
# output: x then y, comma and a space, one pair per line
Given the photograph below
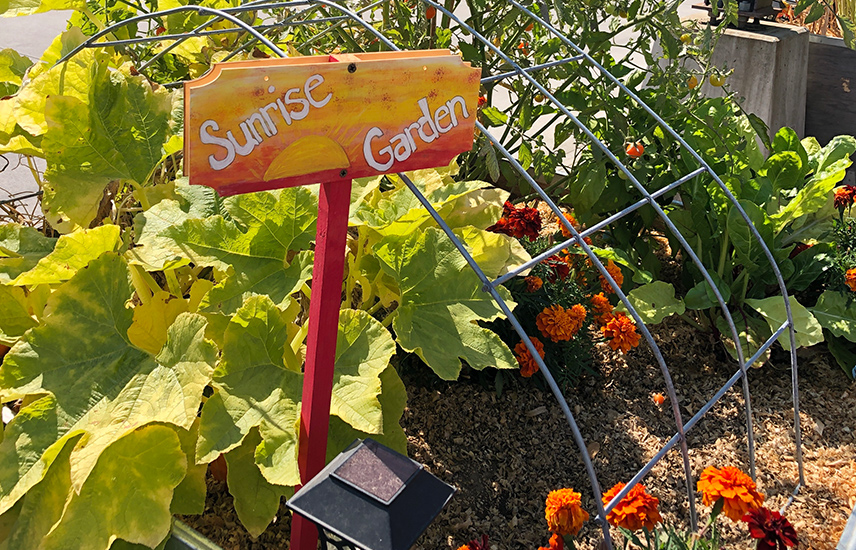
327, 275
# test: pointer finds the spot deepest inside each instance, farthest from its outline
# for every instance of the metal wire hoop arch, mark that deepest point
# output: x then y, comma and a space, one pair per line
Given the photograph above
576, 238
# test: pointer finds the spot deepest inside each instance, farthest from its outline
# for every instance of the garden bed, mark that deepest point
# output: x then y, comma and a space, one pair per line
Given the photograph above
506, 452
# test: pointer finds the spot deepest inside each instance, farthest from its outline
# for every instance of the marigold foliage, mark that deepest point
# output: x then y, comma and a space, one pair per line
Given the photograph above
636, 510
564, 512
615, 272
621, 333
560, 324
736, 489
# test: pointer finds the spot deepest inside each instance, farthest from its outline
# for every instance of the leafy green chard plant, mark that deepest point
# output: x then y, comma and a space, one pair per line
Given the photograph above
788, 198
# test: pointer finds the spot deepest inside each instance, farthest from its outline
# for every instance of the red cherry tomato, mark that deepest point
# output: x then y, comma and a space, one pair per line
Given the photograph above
431, 12
634, 150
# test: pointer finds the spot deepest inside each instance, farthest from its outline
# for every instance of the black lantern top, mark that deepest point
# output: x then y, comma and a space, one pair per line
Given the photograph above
373, 497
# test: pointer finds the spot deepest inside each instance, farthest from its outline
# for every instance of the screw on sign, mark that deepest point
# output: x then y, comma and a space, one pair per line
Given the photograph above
274, 123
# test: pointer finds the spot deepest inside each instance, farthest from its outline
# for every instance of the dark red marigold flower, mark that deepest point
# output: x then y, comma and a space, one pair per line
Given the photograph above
800, 247
482, 101
518, 222
771, 528
558, 268
476, 544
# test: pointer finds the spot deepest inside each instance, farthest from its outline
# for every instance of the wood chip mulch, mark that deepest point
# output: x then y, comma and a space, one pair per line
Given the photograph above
505, 452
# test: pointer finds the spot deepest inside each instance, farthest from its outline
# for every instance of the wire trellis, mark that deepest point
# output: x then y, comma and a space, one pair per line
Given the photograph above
303, 13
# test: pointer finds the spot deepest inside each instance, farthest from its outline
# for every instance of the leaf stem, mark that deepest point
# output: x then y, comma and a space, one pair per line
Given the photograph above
172, 283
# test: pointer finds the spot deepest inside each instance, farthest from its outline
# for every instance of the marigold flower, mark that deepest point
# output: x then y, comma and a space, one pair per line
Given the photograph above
621, 333
477, 544
736, 489
601, 308
518, 222
556, 543
636, 510
482, 101
560, 324
533, 283
564, 512
844, 196
565, 231
558, 268
616, 274
774, 531
528, 366
850, 278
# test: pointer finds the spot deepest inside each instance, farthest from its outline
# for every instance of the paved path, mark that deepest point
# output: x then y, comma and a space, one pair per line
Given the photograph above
29, 36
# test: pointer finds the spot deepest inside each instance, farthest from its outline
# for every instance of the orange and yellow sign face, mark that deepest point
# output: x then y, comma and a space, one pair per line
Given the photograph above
266, 124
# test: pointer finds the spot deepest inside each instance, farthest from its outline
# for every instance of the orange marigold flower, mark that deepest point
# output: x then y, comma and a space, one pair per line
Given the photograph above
570, 217
533, 283
844, 196
602, 309
636, 510
621, 333
850, 278
560, 324
616, 274
564, 512
736, 489
556, 543
528, 366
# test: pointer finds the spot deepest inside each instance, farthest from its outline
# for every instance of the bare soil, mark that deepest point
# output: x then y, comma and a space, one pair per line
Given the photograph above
505, 452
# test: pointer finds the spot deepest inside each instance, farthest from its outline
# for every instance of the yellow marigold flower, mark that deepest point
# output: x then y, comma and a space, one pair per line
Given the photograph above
736, 489
850, 278
560, 324
621, 333
564, 512
602, 309
636, 510
528, 366
533, 283
616, 274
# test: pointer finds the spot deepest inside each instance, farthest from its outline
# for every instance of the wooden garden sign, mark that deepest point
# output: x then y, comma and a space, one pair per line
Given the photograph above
273, 123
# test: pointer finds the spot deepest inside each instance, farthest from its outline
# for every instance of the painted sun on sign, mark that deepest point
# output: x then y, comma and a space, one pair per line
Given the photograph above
267, 124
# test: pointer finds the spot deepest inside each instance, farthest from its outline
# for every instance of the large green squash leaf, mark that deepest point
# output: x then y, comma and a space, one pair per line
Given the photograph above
127, 496
102, 385
117, 134
255, 387
655, 301
9, 8
74, 78
441, 301
72, 252
256, 500
254, 256
13, 66
42, 506
15, 320
393, 401
837, 314
21, 248
808, 330
189, 496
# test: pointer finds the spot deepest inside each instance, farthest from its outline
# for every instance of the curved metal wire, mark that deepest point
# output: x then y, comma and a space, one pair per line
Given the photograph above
577, 237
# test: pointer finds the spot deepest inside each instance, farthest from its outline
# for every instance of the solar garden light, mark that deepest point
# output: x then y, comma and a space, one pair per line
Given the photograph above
371, 498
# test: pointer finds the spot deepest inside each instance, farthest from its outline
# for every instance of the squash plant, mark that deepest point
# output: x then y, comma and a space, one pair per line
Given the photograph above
165, 326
